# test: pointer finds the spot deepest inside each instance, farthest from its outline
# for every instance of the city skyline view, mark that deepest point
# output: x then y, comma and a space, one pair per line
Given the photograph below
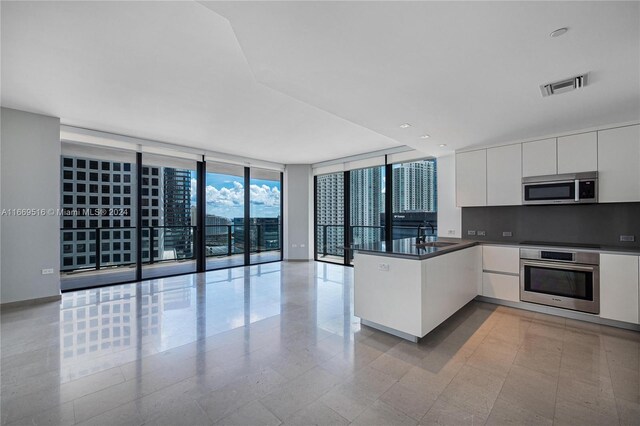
168, 210
413, 200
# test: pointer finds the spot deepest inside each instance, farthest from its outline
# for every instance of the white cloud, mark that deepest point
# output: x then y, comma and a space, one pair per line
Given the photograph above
260, 194
265, 195
226, 196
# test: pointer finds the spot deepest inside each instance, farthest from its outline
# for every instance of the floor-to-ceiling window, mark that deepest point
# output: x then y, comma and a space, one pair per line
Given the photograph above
169, 219
265, 215
366, 212
380, 203
98, 190
224, 215
414, 198
128, 215
329, 205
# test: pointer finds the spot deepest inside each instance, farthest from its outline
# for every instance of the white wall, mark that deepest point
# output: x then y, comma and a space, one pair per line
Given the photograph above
30, 158
298, 212
449, 216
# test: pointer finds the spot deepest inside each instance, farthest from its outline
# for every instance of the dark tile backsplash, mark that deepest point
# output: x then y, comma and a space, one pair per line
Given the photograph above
600, 224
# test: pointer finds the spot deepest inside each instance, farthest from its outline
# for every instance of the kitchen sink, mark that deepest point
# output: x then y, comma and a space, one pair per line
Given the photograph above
437, 244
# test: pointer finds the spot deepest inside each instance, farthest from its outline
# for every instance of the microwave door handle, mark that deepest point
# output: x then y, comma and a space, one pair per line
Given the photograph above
577, 190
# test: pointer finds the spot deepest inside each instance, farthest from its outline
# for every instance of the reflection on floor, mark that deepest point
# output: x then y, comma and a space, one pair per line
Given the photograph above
278, 343
106, 276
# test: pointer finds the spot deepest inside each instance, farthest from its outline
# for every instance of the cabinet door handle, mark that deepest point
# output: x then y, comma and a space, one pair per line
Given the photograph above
577, 190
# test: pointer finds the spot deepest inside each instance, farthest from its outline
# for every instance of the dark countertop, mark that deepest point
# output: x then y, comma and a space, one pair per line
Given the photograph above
406, 247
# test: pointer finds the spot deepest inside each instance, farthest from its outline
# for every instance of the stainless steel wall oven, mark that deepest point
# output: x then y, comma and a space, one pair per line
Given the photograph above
561, 278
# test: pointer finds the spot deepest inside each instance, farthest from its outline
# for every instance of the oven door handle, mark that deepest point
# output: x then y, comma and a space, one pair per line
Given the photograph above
564, 267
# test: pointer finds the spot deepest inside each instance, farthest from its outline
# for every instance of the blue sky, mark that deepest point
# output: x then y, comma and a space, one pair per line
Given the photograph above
225, 196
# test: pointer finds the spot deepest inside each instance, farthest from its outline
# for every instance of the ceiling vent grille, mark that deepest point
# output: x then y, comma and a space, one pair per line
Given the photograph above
564, 86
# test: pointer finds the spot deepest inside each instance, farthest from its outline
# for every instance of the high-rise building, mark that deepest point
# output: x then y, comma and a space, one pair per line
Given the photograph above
178, 234
264, 233
100, 216
414, 196
152, 213
415, 187
218, 235
330, 213
97, 199
367, 202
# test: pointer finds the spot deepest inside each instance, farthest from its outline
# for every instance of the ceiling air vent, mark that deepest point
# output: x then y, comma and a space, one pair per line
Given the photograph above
564, 86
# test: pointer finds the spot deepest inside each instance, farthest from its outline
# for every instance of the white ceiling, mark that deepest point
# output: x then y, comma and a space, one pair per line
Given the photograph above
170, 71
467, 73
302, 82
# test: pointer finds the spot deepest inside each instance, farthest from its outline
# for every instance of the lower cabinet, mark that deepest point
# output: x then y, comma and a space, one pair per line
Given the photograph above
619, 283
501, 286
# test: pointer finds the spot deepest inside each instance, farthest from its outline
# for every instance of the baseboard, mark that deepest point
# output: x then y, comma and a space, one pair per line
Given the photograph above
389, 330
565, 313
298, 260
40, 300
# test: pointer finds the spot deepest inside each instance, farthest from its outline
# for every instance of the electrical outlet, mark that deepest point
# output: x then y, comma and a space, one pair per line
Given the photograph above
302, 245
471, 232
383, 267
507, 234
47, 271
627, 238
482, 233
451, 232
294, 245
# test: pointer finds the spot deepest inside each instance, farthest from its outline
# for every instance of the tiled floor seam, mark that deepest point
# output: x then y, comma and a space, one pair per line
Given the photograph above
615, 398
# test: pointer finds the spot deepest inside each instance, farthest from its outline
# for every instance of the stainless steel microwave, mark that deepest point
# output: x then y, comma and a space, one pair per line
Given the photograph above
570, 188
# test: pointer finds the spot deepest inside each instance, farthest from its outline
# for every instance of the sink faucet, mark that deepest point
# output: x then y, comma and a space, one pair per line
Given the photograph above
433, 231
420, 238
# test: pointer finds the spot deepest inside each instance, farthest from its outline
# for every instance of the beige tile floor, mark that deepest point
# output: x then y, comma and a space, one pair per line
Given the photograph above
278, 344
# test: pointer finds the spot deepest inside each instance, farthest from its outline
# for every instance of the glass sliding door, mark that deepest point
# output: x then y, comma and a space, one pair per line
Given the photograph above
415, 198
97, 225
169, 219
366, 221
329, 206
265, 222
224, 227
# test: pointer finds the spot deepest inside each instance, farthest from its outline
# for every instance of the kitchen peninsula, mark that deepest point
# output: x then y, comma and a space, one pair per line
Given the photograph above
408, 289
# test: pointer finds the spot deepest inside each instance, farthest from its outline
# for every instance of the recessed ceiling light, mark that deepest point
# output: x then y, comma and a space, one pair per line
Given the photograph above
425, 137
558, 32
405, 125
442, 145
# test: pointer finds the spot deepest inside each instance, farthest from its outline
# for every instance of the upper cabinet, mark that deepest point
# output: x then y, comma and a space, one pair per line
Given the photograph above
539, 158
578, 153
504, 175
619, 164
471, 178
493, 176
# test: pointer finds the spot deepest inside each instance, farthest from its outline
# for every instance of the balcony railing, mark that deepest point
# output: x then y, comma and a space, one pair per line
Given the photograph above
226, 240
109, 247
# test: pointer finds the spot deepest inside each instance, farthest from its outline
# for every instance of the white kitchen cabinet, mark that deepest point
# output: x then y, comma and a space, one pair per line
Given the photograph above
501, 286
471, 178
504, 175
501, 259
619, 164
578, 153
539, 158
500, 276
619, 284
414, 296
